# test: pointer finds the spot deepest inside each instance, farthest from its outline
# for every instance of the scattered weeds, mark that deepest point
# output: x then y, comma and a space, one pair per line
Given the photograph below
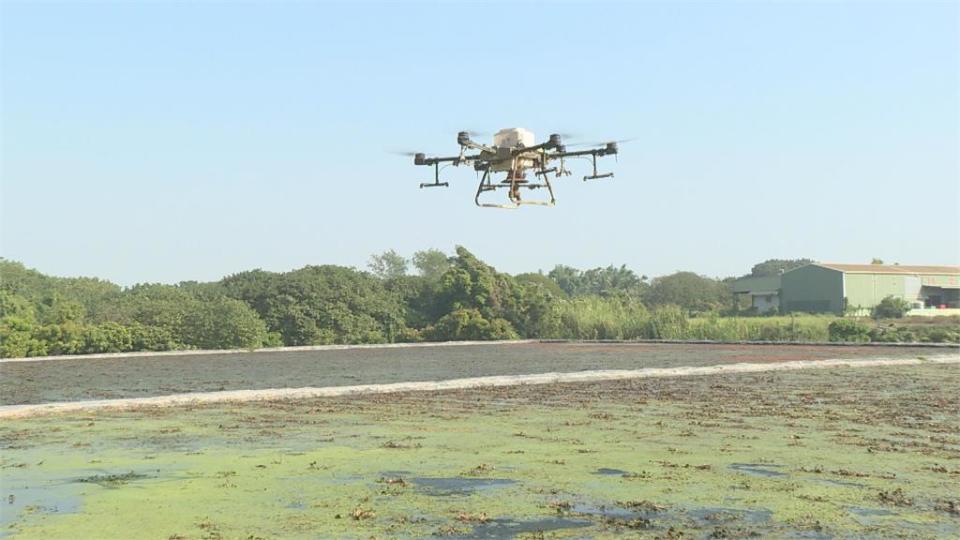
399, 446
360, 513
642, 506
895, 497
479, 470
112, 480
949, 506
467, 517
394, 481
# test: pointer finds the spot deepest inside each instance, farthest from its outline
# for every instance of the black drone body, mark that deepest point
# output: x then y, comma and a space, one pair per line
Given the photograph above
514, 153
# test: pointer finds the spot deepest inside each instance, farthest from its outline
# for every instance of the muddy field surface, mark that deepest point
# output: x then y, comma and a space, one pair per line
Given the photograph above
869, 452
86, 379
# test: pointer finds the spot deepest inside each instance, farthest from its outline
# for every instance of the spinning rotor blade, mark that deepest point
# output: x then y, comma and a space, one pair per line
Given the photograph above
473, 133
602, 143
402, 153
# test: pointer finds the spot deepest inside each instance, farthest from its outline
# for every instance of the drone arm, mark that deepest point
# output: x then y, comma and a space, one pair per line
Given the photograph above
594, 153
597, 152
574, 154
476, 146
463, 139
420, 159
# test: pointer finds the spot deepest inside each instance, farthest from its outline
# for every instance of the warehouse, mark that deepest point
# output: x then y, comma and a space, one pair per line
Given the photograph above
856, 288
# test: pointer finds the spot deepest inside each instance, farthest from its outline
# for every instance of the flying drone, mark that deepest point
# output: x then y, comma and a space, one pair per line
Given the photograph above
514, 153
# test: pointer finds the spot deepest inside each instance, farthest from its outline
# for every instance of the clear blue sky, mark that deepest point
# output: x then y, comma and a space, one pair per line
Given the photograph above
165, 142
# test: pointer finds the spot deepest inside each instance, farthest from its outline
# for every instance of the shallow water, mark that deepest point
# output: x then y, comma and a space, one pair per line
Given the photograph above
445, 487
758, 469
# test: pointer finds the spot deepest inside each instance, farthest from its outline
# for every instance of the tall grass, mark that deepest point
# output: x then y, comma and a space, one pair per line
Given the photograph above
799, 328
616, 318
593, 317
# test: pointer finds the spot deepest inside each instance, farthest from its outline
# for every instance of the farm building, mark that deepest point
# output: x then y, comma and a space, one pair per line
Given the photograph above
828, 287
763, 292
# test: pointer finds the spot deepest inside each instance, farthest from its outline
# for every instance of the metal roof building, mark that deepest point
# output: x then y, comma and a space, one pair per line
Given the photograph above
840, 288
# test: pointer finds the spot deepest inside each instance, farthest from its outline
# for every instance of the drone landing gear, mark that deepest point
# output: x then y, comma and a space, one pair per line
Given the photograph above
514, 183
436, 179
486, 185
596, 176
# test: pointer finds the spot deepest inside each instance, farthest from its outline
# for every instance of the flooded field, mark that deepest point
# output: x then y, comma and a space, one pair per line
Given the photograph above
144, 376
828, 453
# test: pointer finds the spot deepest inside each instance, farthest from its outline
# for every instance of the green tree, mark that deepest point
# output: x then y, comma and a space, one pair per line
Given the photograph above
567, 278
318, 305
208, 321
418, 296
57, 310
599, 281
470, 324
18, 339
472, 284
255, 287
536, 279
431, 263
65, 338
14, 305
388, 265
48, 293
223, 323
109, 337
690, 291
152, 338
775, 267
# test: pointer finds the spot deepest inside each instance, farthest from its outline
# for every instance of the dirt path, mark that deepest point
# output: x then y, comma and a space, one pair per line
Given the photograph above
14, 411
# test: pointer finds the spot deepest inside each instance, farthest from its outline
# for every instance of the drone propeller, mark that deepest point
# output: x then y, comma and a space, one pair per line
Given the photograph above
402, 153
603, 143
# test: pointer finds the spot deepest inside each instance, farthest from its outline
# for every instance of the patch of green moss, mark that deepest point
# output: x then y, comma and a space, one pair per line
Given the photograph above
708, 458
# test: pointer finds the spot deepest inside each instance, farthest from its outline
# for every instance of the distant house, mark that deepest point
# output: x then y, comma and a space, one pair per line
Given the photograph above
763, 292
857, 288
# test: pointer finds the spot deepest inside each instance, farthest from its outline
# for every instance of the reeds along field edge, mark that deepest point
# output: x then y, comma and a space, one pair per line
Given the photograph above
611, 318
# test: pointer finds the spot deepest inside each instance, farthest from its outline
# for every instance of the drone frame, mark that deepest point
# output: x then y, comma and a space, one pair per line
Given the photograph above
539, 155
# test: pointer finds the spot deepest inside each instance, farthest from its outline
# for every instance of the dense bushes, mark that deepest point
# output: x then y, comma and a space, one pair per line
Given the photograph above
891, 307
848, 330
922, 333
469, 324
318, 305
20, 339
41, 315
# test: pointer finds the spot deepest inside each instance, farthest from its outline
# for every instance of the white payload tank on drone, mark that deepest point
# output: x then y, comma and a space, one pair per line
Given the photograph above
508, 139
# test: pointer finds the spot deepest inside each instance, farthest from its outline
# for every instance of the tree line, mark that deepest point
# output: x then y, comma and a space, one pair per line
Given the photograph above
429, 297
